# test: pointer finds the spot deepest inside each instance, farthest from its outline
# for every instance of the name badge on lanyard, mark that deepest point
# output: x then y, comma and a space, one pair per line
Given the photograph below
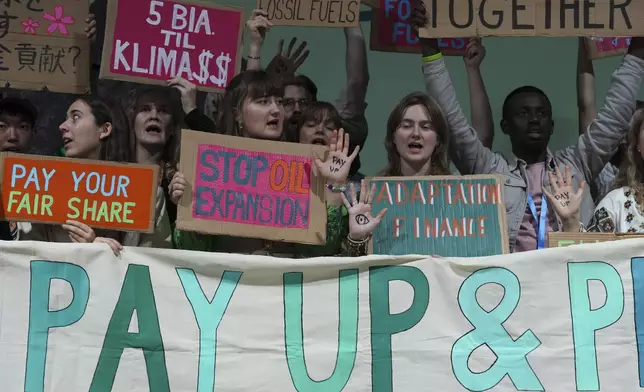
540, 221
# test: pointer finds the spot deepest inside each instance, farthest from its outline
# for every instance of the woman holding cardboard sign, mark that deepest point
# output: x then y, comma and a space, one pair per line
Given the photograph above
252, 108
416, 143
97, 130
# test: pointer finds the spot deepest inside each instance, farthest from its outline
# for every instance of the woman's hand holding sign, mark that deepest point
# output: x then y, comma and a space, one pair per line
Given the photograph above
178, 185
564, 200
83, 234
361, 221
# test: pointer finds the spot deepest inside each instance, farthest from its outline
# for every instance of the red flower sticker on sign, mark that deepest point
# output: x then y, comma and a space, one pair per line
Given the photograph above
153, 41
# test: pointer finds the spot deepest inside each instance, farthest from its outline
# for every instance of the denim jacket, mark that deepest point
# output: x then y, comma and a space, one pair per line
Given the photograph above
586, 159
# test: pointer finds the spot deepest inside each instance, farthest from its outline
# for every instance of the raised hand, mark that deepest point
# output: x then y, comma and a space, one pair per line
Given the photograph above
335, 169
562, 197
188, 92
177, 187
287, 63
361, 221
258, 25
475, 53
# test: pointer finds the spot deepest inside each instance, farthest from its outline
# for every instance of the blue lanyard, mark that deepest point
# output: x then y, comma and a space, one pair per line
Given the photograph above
539, 220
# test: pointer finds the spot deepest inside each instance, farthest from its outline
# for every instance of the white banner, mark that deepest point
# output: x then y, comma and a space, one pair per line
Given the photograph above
76, 318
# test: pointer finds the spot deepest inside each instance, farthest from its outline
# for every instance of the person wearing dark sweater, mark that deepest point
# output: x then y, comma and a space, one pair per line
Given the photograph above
17, 127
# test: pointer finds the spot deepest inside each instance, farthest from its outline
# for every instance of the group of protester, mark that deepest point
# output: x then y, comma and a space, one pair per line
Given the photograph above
424, 132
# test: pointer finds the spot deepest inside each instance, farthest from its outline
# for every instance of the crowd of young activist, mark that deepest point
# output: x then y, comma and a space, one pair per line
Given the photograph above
545, 191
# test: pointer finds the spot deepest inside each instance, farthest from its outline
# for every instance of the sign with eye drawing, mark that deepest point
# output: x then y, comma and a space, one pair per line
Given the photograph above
450, 216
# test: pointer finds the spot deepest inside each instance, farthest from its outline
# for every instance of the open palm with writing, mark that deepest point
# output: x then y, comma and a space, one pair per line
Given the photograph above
562, 197
335, 169
361, 222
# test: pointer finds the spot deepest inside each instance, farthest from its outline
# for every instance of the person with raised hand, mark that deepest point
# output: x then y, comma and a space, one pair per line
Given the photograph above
528, 121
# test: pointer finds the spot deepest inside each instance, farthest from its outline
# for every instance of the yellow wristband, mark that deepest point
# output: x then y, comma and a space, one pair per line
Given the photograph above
429, 59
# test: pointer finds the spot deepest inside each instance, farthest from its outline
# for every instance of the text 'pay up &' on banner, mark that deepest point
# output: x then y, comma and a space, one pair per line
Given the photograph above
252, 188
164, 320
556, 18
152, 41
43, 45
103, 195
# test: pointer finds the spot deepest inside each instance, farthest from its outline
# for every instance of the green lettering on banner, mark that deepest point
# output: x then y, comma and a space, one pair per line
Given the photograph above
41, 319
384, 324
586, 320
208, 314
136, 294
488, 330
347, 333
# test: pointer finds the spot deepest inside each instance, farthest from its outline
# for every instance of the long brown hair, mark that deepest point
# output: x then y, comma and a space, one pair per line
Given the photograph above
439, 160
631, 171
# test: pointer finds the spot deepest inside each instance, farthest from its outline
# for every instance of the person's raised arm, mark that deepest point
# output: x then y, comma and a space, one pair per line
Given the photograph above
480, 109
585, 87
257, 25
598, 144
351, 104
467, 152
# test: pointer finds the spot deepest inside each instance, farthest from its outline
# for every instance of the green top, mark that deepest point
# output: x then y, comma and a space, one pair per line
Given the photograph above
337, 229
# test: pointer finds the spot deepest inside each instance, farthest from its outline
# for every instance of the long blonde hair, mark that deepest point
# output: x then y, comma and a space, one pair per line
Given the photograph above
631, 171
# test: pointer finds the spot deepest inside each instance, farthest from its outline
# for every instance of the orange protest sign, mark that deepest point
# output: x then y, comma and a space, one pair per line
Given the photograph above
103, 195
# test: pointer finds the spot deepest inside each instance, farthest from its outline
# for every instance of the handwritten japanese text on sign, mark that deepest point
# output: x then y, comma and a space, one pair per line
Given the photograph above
312, 13
153, 41
391, 31
43, 45
100, 194
468, 18
256, 187
447, 216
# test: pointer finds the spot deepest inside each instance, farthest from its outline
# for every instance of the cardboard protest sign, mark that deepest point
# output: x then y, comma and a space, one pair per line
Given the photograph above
151, 41
551, 18
559, 239
252, 188
391, 31
566, 319
460, 216
103, 195
312, 13
43, 45
607, 47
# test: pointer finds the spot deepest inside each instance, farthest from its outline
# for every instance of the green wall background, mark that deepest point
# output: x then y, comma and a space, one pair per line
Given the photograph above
547, 63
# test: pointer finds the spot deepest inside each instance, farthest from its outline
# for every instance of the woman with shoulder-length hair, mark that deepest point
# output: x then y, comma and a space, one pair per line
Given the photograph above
416, 144
97, 129
252, 108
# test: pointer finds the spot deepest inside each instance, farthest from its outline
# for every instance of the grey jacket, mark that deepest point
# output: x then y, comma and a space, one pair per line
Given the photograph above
586, 159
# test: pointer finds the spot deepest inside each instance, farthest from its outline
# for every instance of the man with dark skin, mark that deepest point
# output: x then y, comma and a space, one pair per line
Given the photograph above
528, 121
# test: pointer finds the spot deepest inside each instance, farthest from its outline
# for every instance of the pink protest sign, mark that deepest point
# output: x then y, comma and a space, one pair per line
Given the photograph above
391, 31
153, 41
607, 47
252, 188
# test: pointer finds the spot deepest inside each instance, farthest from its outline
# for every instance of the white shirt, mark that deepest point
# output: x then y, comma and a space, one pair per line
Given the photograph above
618, 212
